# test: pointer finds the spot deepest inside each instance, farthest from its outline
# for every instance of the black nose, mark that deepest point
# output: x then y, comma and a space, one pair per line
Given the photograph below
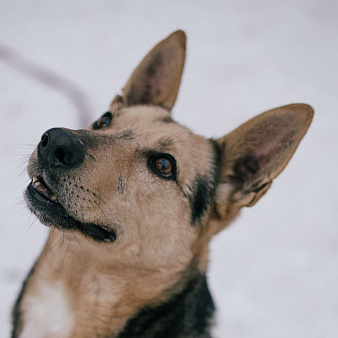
61, 148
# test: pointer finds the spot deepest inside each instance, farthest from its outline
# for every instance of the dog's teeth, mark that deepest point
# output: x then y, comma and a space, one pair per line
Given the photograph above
40, 186
107, 240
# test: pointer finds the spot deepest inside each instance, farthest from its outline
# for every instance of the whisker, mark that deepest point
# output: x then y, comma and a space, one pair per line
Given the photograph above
64, 257
104, 215
100, 199
77, 240
52, 236
26, 145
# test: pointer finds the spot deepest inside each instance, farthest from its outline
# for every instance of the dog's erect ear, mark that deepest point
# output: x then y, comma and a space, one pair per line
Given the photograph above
157, 78
257, 151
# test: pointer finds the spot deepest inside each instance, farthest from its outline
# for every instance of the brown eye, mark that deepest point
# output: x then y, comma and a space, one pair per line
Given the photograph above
163, 165
104, 121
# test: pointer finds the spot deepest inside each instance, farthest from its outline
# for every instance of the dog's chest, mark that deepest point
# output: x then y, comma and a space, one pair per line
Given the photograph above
47, 312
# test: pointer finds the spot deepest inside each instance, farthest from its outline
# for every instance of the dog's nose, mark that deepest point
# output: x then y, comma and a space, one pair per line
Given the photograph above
61, 148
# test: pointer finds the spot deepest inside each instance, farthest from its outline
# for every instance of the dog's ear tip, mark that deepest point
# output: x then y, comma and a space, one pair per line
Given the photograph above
306, 107
303, 108
296, 115
180, 36
308, 111
303, 115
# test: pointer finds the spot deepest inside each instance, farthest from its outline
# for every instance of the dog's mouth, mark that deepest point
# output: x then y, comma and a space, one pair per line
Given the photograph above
44, 203
39, 185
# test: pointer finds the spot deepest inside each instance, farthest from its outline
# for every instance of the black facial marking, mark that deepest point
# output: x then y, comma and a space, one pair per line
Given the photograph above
186, 314
202, 197
219, 152
205, 187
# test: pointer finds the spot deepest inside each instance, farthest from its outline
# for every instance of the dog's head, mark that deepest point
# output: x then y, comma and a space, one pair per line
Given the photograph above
138, 184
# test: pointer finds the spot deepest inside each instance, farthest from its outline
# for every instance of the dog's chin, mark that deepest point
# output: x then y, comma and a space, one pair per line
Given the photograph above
45, 205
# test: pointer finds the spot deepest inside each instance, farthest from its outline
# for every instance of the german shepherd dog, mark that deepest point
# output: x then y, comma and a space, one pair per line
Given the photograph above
132, 204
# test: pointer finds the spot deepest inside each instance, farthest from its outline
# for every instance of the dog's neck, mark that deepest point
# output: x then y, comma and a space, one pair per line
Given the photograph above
98, 294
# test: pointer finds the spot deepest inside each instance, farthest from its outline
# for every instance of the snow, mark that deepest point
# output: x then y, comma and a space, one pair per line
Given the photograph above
274, 272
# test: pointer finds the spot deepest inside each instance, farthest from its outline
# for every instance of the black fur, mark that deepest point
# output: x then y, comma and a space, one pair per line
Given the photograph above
201, 199
16, 313
186, 314
205, 187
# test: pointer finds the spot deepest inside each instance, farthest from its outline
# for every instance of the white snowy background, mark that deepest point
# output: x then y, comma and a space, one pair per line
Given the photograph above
274, 272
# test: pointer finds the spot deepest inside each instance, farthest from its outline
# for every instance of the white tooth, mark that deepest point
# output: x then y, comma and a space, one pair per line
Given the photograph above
35, 179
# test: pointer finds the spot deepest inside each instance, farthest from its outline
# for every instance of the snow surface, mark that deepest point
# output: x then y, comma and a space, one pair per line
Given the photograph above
274, 273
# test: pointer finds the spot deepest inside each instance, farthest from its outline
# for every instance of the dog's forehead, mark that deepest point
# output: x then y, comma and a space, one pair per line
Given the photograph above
144, 118
154, 127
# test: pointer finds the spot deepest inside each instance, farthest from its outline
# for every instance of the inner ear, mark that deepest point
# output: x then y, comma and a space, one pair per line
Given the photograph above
157, 78
257, 151
244, 169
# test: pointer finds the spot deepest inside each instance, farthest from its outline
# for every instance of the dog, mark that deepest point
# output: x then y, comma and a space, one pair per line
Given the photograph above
132, 204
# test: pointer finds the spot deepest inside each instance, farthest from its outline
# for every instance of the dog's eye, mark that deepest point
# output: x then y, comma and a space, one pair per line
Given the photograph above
103, 122
163, 165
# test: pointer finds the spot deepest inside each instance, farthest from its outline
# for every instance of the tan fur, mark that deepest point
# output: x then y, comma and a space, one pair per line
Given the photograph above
156, 246
147, 260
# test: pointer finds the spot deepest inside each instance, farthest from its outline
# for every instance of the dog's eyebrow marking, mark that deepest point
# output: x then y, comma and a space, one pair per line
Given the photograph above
167, 143
126, 135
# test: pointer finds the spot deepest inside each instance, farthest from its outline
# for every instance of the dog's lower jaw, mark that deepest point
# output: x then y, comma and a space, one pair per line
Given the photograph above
96, 301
